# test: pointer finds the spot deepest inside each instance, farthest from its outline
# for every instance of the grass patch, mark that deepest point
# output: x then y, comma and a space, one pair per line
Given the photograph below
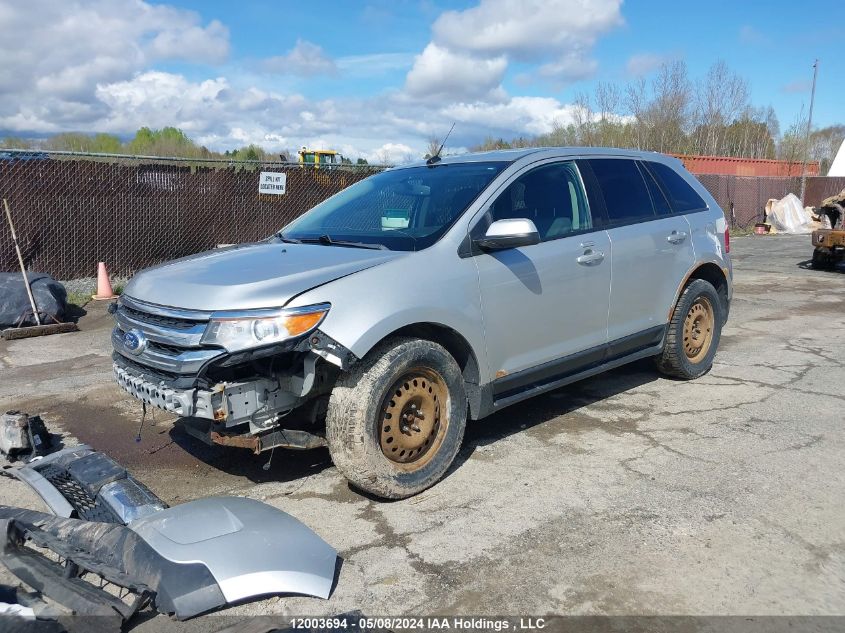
741, 231
79, 298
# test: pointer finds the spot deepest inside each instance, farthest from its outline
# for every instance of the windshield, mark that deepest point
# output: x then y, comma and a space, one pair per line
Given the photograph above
402, 209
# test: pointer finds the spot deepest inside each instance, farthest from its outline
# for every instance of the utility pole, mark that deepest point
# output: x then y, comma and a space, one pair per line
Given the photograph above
809, 127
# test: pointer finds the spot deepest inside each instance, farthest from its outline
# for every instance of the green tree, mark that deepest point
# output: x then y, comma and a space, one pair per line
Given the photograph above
14, 142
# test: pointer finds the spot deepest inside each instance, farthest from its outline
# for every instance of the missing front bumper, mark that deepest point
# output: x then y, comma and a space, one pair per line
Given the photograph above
235, 403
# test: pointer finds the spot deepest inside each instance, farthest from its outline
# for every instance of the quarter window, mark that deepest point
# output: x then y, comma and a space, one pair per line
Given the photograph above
682, 196
550, 196
661, 204
624, 190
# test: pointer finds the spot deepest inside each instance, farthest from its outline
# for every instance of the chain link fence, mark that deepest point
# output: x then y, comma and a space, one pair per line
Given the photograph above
743, 198
73, 210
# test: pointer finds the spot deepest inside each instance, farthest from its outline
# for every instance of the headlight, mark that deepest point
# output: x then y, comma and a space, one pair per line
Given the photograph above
255, 328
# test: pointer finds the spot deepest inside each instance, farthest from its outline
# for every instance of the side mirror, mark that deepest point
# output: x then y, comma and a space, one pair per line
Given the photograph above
504, 234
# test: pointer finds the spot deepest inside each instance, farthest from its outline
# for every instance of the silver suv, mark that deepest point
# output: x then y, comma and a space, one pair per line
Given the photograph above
383, 318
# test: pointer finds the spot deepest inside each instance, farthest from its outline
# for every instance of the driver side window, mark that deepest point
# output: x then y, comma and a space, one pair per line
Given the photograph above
550, 196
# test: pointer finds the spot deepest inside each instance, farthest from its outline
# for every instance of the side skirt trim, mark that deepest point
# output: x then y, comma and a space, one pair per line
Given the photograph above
554, 374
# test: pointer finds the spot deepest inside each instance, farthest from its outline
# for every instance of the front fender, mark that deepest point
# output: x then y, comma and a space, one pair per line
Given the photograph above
425, 288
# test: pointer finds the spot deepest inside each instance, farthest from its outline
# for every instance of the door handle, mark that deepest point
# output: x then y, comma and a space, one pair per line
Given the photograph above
676, 237
589, 258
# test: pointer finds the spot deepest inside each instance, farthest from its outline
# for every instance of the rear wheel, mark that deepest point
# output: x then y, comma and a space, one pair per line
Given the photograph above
824, 259
396, 420
693, 333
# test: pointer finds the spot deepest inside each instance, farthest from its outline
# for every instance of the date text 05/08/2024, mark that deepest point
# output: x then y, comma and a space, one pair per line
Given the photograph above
419, 623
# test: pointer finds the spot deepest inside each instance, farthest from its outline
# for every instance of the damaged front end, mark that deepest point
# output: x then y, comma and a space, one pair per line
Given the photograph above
235, 375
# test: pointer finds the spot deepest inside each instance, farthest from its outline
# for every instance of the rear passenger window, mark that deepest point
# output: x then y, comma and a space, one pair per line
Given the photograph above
682, 197
661, 204
624, 190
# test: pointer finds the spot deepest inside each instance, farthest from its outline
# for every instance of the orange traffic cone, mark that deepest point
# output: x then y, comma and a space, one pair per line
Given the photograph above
104, 290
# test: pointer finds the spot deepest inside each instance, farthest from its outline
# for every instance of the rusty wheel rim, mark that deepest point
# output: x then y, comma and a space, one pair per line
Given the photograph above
414, 418
698, 329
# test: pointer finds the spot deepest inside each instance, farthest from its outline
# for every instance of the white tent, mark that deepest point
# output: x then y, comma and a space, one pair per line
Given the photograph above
837, 167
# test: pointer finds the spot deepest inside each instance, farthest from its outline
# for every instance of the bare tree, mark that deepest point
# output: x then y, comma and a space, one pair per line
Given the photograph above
720, 99
433, 143
669, 108
636, 101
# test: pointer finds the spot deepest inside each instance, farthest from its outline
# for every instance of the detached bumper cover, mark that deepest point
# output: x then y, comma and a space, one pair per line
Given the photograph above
189, 559
250, 548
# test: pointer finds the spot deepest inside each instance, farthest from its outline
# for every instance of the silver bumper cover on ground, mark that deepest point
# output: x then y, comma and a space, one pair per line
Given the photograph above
190, 558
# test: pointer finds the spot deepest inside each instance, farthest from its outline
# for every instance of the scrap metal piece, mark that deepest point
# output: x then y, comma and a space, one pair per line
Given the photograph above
250, 548
296, 439
23, 436
79, 481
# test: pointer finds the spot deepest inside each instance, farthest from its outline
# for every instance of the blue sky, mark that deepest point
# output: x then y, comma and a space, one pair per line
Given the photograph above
380, 76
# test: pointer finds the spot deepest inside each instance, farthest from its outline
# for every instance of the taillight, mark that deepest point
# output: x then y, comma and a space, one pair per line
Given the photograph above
727, 240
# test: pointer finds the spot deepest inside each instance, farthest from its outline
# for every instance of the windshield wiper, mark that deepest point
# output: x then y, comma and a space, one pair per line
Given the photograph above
289, 240
328, 241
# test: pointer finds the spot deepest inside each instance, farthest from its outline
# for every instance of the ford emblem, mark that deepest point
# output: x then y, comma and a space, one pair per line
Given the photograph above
135, 342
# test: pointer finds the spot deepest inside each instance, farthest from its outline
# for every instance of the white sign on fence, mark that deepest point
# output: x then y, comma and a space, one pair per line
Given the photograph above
272, 182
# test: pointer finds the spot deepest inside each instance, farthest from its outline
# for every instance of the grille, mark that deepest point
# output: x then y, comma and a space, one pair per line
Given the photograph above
161, 321
88, 508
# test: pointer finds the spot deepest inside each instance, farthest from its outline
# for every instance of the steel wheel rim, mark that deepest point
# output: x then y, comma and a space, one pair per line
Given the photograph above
698, 329
414, 418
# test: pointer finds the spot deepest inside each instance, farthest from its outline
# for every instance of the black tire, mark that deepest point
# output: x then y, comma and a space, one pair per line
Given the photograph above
819, 261
359, 405
677, 358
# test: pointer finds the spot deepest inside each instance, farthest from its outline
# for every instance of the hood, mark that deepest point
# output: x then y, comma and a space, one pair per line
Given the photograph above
261, 275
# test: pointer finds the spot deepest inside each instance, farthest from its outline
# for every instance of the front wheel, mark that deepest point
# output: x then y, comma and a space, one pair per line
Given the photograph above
396, 420
693, 333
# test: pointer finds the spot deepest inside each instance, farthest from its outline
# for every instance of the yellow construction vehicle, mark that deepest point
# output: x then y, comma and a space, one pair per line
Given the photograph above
319, 157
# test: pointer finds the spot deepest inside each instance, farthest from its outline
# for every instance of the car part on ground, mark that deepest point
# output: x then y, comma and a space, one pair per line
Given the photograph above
186, 560
22, 436
26, 612
83, 483
251, 548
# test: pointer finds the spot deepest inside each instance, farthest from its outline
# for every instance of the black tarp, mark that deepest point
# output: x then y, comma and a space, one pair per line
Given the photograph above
50, 298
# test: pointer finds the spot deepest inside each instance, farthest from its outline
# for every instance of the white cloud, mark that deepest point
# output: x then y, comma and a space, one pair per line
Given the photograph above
305, 59
571, 66
374, 64
520, 115
440, 73
644, 63
527, 29
55, 53
470, 49
94, 66
391, 154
